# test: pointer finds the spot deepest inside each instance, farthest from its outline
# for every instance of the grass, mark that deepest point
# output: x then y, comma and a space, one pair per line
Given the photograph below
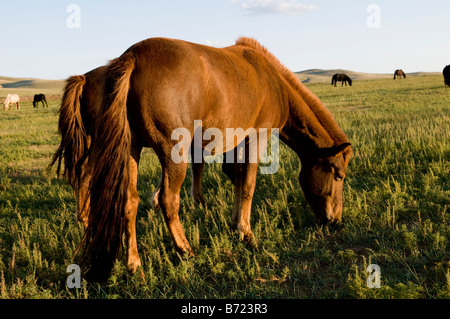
396, 212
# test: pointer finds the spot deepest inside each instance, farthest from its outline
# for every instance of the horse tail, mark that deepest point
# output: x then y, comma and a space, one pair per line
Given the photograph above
109, 161
74, 140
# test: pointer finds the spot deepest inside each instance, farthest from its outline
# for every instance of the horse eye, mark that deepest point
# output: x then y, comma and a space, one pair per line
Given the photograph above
339, 178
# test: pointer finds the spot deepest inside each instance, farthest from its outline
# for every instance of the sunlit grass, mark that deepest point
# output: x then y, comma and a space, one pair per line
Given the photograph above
396, 214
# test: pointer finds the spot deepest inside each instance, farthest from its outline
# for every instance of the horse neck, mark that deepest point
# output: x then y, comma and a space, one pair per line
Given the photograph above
310, 125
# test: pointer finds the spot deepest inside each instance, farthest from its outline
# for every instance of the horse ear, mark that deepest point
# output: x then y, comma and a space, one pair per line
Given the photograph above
342, 147
334, 150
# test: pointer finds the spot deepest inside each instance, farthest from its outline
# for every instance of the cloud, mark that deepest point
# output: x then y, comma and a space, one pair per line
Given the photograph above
290, 7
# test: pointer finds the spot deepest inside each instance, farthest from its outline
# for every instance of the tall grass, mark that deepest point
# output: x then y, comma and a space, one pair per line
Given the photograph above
396, 213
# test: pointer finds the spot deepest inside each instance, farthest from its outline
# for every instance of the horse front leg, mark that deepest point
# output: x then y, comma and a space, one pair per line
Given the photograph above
197, 166
196, 188
245, 181
243, 173
155, 196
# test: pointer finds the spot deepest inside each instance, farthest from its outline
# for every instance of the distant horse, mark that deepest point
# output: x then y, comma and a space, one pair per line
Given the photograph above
241, 86
12, 99
399, 74
344, 78
446, 73
39, 98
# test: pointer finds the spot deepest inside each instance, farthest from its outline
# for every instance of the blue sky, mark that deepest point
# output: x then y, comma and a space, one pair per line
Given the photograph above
303, 34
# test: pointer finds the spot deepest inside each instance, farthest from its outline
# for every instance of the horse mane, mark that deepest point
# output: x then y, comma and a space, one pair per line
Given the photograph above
323, 116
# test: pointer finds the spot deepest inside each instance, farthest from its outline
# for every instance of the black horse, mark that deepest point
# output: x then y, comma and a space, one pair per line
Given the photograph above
39, 98
446, 73
399, 73
344, 78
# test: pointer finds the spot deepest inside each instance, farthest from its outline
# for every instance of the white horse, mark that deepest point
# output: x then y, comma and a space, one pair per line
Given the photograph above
11, 99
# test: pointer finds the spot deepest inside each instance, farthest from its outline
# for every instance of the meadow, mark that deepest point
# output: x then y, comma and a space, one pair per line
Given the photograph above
396, 212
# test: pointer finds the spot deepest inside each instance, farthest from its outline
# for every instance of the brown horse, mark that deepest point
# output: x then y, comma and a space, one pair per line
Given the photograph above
399, 74
161, 85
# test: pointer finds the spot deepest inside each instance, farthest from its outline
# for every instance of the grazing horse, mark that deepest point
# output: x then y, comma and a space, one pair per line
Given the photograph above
39, 98
344, 78
12, 99
446, 73
399, 74
159, 86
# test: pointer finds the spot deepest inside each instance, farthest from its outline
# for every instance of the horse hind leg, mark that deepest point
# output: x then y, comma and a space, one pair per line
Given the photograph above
133, 260
169, 200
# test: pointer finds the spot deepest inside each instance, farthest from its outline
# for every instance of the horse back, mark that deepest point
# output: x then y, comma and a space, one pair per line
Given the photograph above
91, 96
175, 83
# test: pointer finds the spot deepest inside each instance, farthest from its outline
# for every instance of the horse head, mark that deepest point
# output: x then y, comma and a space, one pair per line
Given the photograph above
322, 179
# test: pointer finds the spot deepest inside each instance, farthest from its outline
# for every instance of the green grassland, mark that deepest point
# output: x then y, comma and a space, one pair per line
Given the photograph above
396, 212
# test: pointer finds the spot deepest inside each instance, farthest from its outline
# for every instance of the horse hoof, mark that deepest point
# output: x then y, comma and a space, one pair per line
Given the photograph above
154, 201
250, 240
132, 266
83, 221
185, 252
199, 200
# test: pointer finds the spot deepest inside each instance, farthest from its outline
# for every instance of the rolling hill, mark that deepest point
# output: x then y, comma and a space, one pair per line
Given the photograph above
29, 83
324, 76
28, 87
